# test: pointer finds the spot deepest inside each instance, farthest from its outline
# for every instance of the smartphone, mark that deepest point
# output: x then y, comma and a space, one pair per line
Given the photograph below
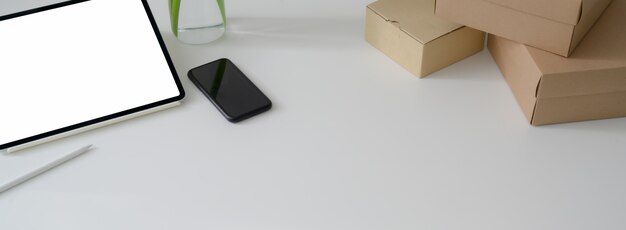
234, 95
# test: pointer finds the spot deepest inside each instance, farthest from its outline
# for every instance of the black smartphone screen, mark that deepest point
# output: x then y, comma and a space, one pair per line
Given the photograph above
230, 90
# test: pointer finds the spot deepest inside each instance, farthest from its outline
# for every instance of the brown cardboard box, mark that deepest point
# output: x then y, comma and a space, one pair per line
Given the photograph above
557, 26
591, 84
409, 33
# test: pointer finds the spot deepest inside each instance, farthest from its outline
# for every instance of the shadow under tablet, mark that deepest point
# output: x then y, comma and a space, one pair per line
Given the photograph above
236, 97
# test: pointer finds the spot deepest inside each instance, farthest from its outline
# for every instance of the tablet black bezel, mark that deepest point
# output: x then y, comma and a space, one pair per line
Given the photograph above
115, 115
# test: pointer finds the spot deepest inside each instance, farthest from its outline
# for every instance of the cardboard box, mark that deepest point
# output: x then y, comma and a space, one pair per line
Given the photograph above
557, 26
409, 33
591, 84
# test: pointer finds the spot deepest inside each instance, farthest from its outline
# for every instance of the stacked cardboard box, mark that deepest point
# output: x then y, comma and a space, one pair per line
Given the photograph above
565, 60
409, 32
590, 84
552, 25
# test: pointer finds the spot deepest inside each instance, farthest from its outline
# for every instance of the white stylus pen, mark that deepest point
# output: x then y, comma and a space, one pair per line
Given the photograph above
44, 168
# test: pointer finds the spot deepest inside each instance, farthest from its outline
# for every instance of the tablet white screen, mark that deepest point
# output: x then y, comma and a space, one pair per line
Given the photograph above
76, 63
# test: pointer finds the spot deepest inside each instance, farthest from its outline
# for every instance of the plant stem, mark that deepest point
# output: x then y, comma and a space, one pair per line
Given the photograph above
222, 10
174, 13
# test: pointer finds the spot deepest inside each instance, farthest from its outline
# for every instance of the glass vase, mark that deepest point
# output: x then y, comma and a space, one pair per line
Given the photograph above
197, 21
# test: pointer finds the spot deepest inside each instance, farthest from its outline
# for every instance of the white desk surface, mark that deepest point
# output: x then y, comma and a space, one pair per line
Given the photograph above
353, 142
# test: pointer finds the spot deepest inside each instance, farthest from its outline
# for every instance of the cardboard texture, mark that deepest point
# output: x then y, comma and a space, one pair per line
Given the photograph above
557, 26
409, 33
591, 84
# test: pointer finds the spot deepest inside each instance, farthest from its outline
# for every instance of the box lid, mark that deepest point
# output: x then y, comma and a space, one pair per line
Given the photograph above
415, 17
597, 66
564, 11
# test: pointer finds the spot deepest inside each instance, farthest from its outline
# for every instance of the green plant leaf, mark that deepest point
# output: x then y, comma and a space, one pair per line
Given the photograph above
220, 3
174, 14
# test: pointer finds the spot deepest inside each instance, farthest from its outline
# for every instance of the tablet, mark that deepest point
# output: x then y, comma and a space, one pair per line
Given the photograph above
75, 64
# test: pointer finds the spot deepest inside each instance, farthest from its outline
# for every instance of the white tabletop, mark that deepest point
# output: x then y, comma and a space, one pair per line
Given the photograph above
353, 142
